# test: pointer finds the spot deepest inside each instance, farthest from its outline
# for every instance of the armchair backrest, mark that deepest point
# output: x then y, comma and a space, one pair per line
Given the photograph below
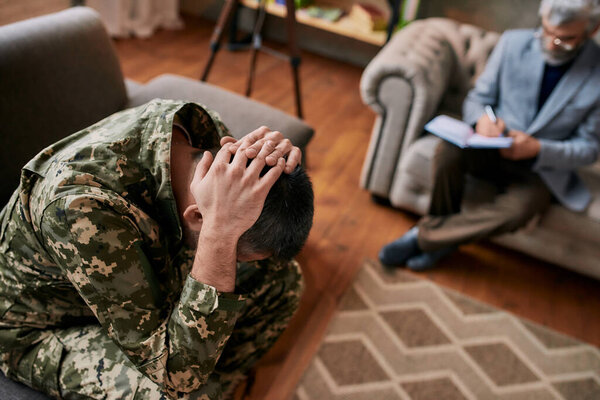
472, 47
58, 74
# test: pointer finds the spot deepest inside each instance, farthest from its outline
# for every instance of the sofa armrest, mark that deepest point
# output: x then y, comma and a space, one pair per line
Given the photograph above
419, 54
404, 85
240, 114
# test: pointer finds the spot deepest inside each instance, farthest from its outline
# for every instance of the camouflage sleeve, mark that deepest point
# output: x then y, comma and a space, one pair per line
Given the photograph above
102, 253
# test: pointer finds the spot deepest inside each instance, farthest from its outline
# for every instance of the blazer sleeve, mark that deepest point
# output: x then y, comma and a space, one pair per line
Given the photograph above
101, 251
580, 149
486, 88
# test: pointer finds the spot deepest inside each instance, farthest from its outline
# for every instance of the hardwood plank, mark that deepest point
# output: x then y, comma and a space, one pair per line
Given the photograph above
348, 226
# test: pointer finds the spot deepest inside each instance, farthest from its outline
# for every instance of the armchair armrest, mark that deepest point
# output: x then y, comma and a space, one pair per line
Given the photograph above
419, 54
404, 85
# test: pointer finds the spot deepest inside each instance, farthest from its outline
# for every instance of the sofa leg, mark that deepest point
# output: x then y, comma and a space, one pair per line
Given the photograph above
380, 200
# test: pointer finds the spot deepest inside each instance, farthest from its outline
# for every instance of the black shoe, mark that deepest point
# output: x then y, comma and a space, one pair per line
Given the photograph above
401, 249
428, 260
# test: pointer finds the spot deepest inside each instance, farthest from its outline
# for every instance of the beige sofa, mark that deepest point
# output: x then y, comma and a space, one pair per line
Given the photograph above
426, 69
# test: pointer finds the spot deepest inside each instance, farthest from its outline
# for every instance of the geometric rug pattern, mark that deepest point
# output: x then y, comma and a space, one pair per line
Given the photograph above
396, 336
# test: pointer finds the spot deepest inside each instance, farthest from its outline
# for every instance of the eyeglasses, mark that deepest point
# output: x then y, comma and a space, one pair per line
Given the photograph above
546, 37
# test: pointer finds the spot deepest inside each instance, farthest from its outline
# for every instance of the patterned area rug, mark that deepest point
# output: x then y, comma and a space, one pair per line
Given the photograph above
396, 336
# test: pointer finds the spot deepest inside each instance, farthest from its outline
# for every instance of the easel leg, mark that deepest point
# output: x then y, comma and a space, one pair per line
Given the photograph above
294, 52
217, 36
256, 43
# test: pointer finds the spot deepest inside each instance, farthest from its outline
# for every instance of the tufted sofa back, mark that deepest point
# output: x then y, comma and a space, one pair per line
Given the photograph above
471, 47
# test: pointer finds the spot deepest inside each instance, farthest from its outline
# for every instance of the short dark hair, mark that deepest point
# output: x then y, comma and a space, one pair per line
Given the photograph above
285, 221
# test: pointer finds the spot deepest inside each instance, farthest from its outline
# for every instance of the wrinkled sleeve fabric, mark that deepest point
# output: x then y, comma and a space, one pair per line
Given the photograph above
102, 253
487, 86
577, 151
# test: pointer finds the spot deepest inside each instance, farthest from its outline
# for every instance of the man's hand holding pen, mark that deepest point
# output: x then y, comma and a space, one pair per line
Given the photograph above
489, 125
524, 146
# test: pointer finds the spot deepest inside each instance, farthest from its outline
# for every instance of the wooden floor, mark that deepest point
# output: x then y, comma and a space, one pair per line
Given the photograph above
348, 226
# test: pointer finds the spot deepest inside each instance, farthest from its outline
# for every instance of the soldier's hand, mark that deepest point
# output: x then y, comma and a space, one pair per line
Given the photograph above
253, 142
230, 194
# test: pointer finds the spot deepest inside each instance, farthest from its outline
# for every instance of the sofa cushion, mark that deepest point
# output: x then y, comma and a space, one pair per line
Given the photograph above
240, 114
132, 87
411, 183
10, 390
591, 177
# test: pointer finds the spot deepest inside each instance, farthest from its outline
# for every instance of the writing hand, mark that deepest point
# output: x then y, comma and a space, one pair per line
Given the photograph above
253, 142
524, 146
486, 127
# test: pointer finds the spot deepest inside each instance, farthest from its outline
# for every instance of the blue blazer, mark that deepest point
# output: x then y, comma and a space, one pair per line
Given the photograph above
567, 126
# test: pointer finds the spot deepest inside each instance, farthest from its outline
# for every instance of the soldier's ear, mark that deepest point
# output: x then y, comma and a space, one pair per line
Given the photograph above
192, 217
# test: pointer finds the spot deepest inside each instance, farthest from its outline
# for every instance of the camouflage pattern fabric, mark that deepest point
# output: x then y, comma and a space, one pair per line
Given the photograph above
93, 366
95, 297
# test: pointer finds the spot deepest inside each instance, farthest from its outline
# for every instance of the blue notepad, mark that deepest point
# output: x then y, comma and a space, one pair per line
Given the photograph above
461, 134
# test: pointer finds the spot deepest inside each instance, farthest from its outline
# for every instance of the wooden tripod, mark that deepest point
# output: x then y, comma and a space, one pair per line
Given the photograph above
256, 44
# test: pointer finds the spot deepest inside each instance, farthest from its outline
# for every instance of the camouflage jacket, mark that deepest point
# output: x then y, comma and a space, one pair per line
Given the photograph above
92, 235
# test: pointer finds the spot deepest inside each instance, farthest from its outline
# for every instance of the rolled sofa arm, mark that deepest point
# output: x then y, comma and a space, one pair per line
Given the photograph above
404, 85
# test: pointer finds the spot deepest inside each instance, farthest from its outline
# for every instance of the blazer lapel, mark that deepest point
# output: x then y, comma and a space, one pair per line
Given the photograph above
564, 90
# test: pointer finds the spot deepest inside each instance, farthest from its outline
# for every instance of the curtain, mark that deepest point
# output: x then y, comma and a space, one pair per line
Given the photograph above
124, 18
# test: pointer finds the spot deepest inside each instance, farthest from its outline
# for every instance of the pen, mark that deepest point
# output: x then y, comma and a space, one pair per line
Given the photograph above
490, 113
492, 116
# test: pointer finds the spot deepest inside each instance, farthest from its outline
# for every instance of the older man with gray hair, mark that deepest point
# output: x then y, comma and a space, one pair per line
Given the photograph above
544, 86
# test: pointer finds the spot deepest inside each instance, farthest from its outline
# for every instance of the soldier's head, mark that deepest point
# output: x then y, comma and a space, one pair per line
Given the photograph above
285, 220
566, 25
283, 225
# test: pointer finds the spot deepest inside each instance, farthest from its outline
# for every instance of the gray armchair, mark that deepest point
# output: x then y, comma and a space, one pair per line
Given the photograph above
427, 69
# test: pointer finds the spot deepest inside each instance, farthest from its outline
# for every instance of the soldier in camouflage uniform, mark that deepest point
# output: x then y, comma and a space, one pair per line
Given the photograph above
101, 297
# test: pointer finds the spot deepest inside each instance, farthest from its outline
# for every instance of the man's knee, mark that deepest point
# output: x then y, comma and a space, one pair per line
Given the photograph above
35, 365
447, 157
93, 364
520, 210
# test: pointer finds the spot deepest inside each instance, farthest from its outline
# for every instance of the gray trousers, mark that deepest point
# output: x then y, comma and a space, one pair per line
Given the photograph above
521, 194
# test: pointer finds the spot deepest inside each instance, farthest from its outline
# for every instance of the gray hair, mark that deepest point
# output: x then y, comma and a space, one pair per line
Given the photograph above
559, 12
